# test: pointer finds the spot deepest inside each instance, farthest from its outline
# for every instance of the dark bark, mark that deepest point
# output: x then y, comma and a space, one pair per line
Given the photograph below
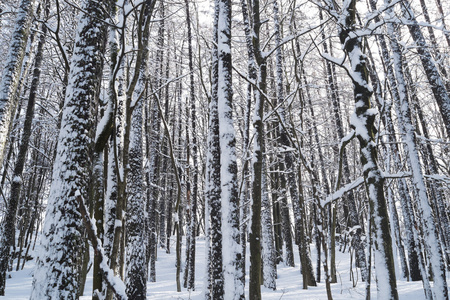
11, 72
213, 188
113, 283
63, 232
405, 198
8, 225
372, 175
98, 203
434, 78
353, 225
193, 204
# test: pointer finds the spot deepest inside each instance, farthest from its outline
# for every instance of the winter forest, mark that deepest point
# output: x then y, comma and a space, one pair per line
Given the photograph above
247, 149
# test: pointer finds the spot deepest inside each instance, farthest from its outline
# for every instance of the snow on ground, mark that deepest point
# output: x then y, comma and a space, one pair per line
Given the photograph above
289, 282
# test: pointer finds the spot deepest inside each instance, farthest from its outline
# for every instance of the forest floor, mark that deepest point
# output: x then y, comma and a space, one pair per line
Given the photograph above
289, 282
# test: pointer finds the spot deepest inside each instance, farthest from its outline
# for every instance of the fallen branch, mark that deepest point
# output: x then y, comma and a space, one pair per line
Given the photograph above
115, 283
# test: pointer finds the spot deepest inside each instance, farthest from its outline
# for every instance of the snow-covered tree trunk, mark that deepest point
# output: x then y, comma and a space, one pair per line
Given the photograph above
187, 176
153, 148
113, 204
436, 188
268, 250
213, 184
136, 230
286, 223
57, 271
153, 187
136, 270
363, 121
7, 228
246, 191
98, 202
432, 243
166, 198
232, 272
257, 160
112, 221
404, 195
11, 72
190, 265
434, 78
353, 223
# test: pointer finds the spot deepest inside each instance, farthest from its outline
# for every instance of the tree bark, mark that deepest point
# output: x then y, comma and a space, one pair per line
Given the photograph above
213, 184
8, 225
363, 121
11, 72
434, 78
55, 278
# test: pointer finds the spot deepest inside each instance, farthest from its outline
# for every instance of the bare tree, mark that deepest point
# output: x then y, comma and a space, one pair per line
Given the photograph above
56, 278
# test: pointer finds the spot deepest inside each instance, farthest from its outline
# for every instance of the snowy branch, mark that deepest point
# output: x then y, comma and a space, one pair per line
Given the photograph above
339, 193
114, 282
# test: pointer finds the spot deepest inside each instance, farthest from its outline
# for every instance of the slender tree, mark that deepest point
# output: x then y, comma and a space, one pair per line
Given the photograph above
7, 228
190, 267
432, 243
363, 121
283, 140
233, 287
11, 72
434, 78
213, 184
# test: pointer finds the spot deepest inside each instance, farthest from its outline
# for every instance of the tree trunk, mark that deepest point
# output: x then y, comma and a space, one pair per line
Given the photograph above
213, 184
153, 148
11, 72
432, 243
8, 225
434, 78
405, 198
98, 202
268, 250
363, 121
233, 288
136, 270
190, 266
62, 230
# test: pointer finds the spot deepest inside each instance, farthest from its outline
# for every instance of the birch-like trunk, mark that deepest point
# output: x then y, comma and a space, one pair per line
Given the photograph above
431, 239
11, 72
233, 288
414, 256
434, 78
8, 225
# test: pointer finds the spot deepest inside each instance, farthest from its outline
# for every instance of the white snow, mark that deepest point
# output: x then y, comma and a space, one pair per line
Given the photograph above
289, 282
